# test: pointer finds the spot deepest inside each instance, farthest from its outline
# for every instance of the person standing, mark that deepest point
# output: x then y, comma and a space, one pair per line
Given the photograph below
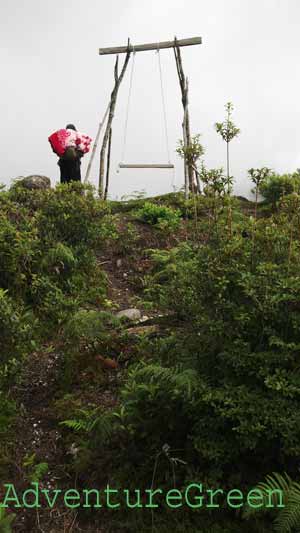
70, 162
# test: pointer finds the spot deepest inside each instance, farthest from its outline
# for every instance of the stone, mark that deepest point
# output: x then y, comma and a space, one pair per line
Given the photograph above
35, 182
131, 314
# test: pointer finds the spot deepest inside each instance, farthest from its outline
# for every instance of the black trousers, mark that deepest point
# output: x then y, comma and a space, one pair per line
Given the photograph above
69, 170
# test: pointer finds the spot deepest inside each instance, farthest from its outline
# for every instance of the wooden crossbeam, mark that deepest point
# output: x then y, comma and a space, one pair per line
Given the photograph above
150, 46
142, 165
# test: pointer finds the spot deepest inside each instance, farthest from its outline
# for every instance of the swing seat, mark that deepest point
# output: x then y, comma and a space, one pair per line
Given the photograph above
145, 165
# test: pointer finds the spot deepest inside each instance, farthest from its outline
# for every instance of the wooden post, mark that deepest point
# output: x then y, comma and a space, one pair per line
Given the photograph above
184, 86
113, 100
108, 165
186, 179
188, 138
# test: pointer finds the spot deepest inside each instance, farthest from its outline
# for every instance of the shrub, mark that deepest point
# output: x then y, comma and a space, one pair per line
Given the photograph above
160, 216
17, 329
49, 242
234, 304
276, 186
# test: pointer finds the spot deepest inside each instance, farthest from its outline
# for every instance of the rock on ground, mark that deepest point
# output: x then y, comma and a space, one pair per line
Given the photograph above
35, 182
131, 314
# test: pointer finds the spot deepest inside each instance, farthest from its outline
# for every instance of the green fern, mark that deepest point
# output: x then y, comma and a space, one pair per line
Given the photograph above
176, 380
288, 518
59, 255
84, 422
38, 472
93, 421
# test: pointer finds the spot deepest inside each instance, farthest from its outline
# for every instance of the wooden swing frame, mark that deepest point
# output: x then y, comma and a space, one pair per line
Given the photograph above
183, 81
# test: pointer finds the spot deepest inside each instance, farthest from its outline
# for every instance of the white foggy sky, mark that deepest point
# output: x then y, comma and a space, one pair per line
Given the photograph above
51, 74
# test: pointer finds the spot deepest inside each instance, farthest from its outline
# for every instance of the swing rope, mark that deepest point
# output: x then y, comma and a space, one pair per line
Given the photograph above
163, 102
173, 180
128, 105
169, 165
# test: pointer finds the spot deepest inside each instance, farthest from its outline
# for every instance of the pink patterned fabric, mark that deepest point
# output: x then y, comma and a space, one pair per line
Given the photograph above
62, 139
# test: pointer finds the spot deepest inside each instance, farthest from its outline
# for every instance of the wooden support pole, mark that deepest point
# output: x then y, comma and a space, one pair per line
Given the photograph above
108, 165
186, 177
150, 46
184, 86
113, 100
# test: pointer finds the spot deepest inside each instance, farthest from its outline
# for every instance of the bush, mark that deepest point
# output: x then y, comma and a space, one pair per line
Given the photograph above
232, 405
276, 186
49, 242
17, 330
160, 216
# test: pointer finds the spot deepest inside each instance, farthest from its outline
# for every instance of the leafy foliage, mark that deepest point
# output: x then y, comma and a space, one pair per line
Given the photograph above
275, 186
15, 337
288, 517
235, 312
6, 520
193, 152
228, 132
99, 424
160, 216
227, 129
214, 181
214, 391
48, 268
35, 470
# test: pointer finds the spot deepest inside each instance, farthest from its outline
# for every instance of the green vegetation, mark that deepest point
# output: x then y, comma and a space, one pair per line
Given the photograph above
286, 496
274, 186
205, 390
228, 132
161, 216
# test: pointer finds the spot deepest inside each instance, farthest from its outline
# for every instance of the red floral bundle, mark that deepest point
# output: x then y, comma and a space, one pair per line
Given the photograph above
62, 139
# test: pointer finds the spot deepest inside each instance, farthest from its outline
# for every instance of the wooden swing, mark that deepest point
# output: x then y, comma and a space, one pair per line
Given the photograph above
167, 165
118, 76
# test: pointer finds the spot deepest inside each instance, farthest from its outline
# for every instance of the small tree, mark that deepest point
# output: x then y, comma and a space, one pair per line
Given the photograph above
228, 131
214, 180
192, 154
258, 177
214, 186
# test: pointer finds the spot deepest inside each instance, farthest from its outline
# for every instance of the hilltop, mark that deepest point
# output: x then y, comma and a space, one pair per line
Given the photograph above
178, 390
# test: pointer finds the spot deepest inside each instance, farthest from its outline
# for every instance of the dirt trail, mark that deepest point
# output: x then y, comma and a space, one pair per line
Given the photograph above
36, 426
37, 429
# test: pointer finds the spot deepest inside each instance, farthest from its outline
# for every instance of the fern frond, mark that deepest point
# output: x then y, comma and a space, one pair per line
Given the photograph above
101, 425
75, 425
288, 504
289, 517
275, 484
178, 380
